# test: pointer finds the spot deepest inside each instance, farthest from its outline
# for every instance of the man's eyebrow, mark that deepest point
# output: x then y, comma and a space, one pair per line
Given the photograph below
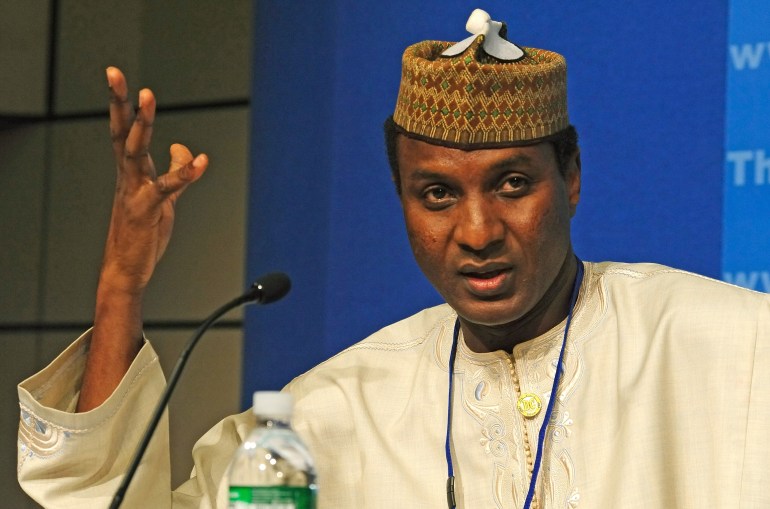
509, 163
513, 162
423, 174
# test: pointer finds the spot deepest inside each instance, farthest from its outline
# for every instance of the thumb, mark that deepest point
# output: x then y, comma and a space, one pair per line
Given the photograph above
183, 169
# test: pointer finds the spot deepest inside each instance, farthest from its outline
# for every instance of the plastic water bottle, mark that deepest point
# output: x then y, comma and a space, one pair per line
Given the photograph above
272, 469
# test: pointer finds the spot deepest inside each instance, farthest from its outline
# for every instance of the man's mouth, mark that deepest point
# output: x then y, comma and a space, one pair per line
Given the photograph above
487, 280
486, 271
484, 275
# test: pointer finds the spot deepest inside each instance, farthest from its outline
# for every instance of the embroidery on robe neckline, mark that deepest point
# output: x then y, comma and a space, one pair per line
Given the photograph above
487, 396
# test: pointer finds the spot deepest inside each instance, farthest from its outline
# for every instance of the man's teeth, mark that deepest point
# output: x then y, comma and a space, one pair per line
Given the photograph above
485, 275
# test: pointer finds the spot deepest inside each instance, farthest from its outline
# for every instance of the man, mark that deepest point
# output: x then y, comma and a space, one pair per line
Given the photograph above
662, 391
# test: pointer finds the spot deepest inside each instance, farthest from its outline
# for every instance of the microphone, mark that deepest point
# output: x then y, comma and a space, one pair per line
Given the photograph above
265, 290
269, 288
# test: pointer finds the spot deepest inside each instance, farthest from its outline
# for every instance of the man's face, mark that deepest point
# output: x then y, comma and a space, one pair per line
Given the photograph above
489, 228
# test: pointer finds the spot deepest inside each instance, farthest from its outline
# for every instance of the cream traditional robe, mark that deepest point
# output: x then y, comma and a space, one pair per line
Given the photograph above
664, 403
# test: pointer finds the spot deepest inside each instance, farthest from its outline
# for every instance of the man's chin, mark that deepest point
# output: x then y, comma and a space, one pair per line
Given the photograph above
489, 314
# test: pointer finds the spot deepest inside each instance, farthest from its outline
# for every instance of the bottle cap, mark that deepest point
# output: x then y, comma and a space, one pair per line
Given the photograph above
273, 404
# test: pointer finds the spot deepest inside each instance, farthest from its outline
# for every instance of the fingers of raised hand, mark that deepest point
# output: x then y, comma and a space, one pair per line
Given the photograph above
130, 131
121, 112
137, 147
131, 135
183, 170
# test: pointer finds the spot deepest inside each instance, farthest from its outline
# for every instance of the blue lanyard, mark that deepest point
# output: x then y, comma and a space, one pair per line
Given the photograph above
450, 483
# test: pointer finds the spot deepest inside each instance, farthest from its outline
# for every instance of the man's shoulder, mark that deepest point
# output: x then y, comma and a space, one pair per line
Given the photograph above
668, 283
410, 331
408, 336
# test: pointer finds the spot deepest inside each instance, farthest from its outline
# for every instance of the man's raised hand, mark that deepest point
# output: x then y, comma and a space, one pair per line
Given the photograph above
143, 209
140, 229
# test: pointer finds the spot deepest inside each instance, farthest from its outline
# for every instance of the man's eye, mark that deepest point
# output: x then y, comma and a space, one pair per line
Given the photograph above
437, 195
514, 184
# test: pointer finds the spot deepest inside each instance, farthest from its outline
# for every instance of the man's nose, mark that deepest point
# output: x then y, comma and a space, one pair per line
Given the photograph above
479, 228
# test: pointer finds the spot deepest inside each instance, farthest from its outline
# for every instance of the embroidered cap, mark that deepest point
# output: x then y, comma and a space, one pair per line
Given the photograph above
481, 92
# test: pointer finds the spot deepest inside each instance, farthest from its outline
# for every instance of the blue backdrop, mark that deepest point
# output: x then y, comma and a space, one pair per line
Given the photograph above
746, 242
646, 92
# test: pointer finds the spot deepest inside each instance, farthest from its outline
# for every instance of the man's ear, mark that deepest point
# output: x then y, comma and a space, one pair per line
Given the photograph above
573, 182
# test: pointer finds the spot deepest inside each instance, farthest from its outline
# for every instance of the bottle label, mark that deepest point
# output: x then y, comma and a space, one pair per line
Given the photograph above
271, 497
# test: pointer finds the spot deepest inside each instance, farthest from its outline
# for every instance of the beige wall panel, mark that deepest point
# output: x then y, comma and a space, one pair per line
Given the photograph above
52, 344
197, 54
24, 57
18, 354
23, 155
187, 53
203, 265
81, 185
208, 391
94, 34
57, 182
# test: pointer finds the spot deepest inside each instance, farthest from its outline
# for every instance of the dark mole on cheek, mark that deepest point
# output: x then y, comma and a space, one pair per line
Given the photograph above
426, 237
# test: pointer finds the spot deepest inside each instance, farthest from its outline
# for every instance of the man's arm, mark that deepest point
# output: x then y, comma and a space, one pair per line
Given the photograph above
140, 229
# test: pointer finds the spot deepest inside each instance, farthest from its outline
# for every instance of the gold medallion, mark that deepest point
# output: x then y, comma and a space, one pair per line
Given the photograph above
529, 404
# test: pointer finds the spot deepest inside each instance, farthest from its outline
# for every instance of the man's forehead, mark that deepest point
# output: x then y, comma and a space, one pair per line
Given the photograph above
422, 156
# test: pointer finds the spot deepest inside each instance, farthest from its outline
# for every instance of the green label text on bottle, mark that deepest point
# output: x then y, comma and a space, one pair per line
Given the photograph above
271, 497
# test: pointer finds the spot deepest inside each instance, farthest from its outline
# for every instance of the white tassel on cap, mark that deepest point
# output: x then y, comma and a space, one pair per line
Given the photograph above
477, 22
480, 23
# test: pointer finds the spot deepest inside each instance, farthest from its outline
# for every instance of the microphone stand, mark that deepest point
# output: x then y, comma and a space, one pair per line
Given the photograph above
256, 293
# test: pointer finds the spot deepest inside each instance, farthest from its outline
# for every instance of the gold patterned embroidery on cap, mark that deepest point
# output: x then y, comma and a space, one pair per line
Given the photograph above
471, 100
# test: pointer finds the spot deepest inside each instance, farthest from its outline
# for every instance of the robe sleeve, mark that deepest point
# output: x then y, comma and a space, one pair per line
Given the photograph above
76, 460
756, 464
